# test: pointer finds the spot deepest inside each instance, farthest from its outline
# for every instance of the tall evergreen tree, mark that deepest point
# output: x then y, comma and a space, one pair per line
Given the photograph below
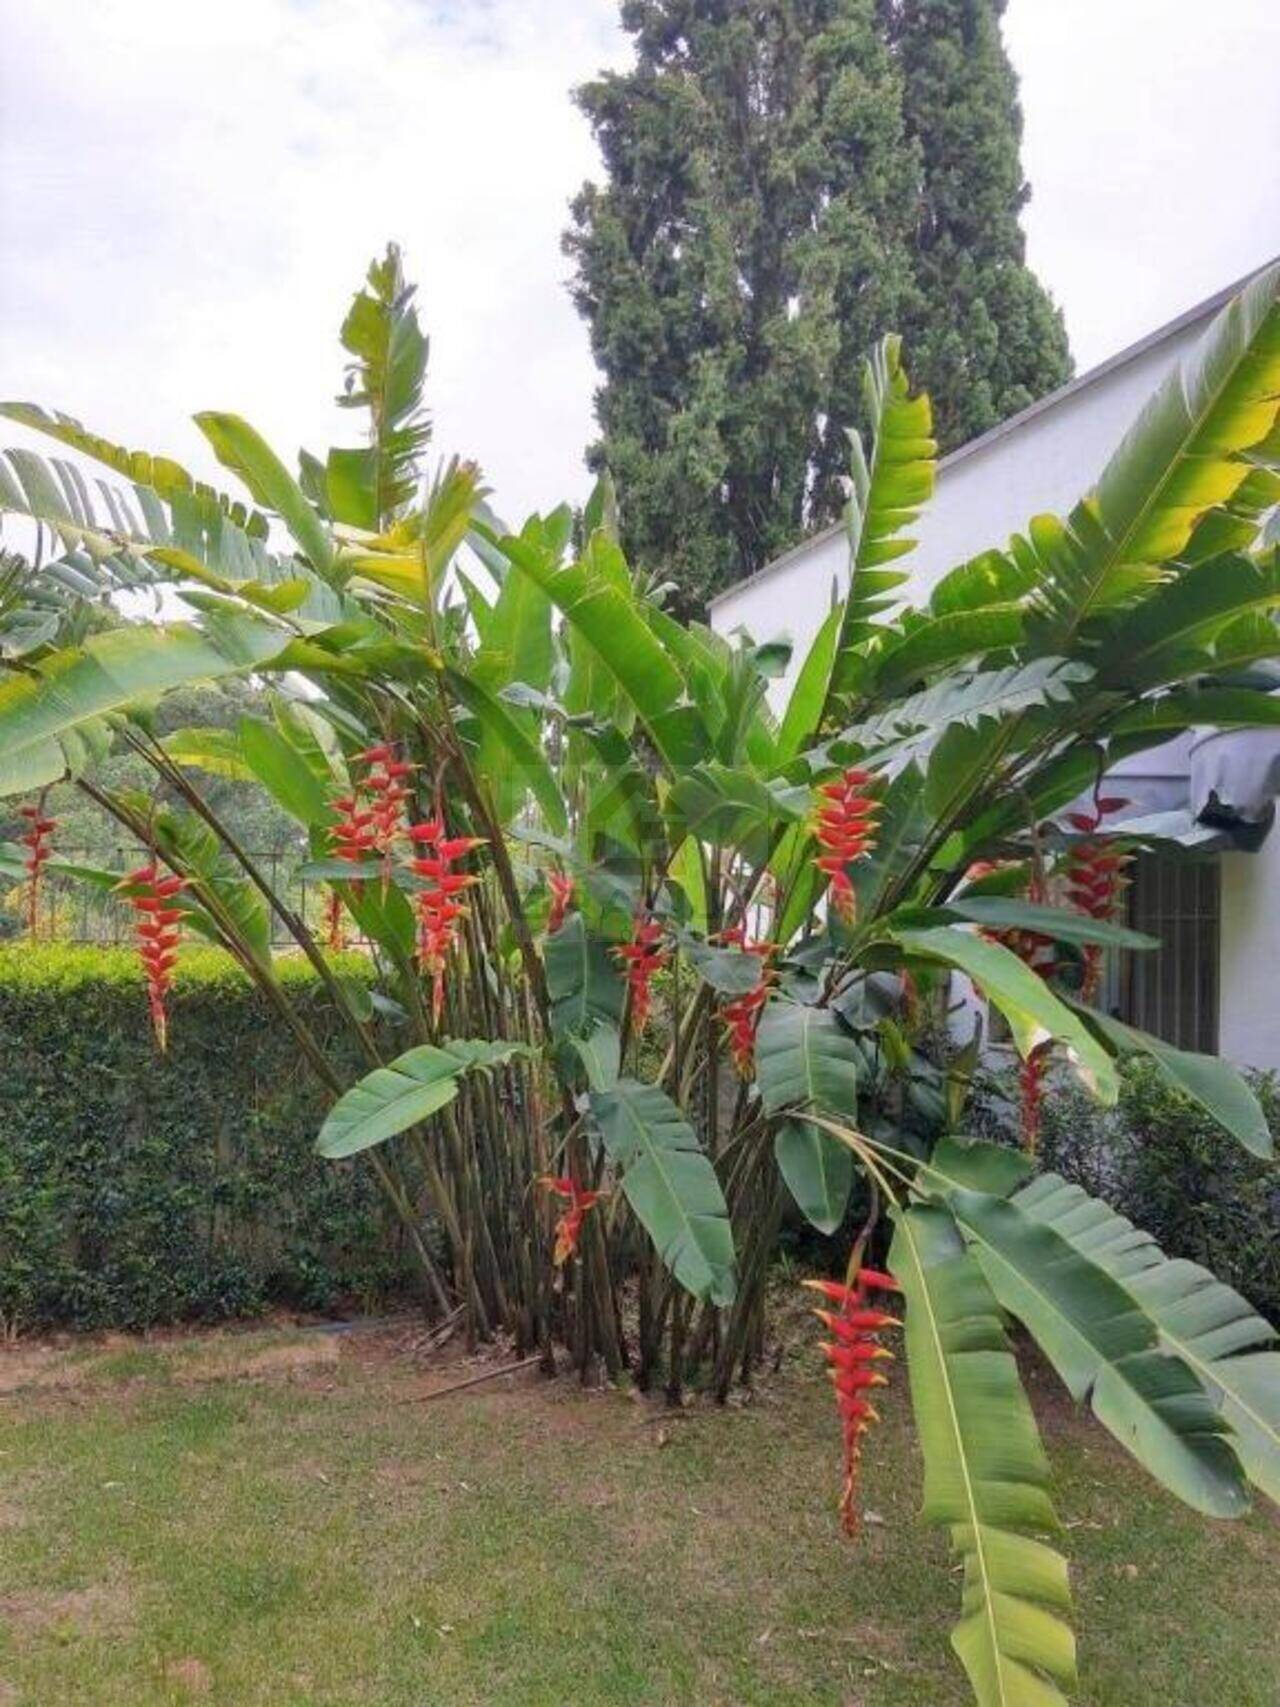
757, 232
982, 333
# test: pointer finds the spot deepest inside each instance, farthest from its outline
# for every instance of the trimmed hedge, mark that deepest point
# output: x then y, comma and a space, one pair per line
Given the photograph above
137, 1189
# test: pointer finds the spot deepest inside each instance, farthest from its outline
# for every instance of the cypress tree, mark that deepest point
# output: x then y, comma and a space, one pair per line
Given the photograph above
982, 334
756, 233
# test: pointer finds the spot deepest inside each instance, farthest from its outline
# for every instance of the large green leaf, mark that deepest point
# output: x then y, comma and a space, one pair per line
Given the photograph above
246, 453
1105, 1349
970, 698
1005, 912
1199, 1318
1033, 1011
808, 697
511, 741
818, 1170
582, 980
670, 1183
1181, 457
1208, 1080
607, 618
283, 772
112, 669
806, 1059
986, 1475
1169, 635
416, 1084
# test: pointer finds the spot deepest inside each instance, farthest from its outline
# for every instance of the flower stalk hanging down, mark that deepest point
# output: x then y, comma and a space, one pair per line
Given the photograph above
36, 839
1095, 879
741, 1016
353, 836
158, 927
437, 903
845, 828
641, 958
853, 1353
577, 1202
335, 935
561, 887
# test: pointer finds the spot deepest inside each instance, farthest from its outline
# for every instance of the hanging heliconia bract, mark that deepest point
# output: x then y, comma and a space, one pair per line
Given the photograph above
387, 787
335, 934
353, 836
561, 888
741, 1015
1095, 879
158, 927
36, 838
577, 1201
853, 1353
437, 904
845, 830
641, 958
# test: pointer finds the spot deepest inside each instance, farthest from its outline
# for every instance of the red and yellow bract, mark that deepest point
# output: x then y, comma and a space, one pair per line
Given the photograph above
577, 1202
1095, 879
36, 839
561, 888
436, 904
845, 828
852, 1354
158, 927
641, 958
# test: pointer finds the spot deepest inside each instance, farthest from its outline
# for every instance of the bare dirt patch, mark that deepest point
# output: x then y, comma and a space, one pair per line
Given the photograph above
189, 1674
102, 1609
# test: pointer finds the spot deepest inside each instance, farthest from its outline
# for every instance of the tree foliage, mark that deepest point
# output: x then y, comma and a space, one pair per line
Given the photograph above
779, 188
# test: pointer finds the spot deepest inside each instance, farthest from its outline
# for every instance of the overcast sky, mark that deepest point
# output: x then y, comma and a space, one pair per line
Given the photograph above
190, 190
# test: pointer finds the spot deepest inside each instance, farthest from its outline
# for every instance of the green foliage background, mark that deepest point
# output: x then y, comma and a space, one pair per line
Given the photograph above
784, 183
136, 1189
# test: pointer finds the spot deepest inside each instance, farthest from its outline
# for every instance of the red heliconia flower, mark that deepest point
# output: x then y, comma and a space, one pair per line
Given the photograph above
846, 831
158, 927
561, 887
353, 836
1031, 1077
335, 935
36, 839
569, 1227
436, 905
852, 1354
1095, 879
741, 1015
641, 958
388, 792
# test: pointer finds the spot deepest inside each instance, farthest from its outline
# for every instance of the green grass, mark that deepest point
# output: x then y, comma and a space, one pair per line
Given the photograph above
315, 1534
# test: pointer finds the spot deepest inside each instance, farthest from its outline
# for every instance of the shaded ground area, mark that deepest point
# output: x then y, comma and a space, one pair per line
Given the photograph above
277, 1517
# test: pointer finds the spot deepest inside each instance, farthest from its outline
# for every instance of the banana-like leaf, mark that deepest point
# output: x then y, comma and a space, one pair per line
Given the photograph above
945, 640
670, 1184
967, 698
216, 751
818, 1171
1212, 707
986, 1475
1005, 912
582, 980
246, 453
1215, 1084
1105, 1349
1181, 458
31, 768
1171, 633
806, 1059
1200, 1319
111, 669
1033, 1011
610, 623
284, 773
801, 720
727, 970
511, 739
390, 1099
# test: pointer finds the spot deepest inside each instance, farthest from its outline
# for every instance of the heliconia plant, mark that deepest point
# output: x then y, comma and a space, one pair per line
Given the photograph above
636, 928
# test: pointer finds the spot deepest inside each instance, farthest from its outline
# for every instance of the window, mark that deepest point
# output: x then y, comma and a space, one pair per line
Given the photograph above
1171, 991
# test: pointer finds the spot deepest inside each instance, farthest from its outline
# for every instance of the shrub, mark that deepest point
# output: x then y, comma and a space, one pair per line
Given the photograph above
1160, 1160
137, 1189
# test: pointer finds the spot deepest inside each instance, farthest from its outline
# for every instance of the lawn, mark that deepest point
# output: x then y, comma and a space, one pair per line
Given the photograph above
281, 1517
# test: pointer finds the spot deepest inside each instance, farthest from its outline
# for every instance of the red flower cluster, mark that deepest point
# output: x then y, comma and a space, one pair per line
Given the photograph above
1095, 879
353, 836
569, 1226
388, 791
561, 888
845, 829
158, 928
35, 838
642, 958
742, 1015
852, 1353
335, 935
438, 905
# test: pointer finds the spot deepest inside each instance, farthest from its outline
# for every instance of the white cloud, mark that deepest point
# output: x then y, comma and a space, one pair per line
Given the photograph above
190, 191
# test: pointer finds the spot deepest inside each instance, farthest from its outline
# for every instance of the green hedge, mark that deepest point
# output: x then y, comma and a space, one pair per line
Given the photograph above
137, 1189
1158, 1158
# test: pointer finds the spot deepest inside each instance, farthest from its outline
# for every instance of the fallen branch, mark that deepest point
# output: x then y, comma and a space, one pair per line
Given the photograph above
475, 1380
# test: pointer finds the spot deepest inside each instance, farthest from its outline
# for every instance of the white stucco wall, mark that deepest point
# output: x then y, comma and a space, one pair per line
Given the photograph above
1043, 461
